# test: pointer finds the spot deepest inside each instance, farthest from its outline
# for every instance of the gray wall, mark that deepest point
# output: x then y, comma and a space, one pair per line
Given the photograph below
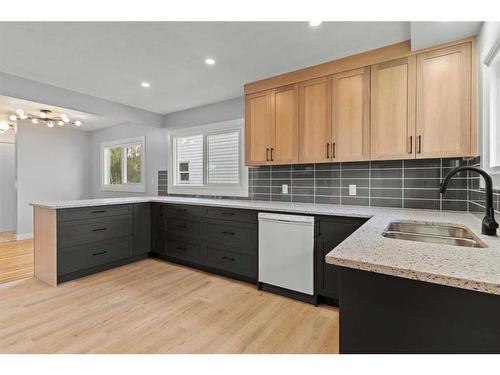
217, 112
156, 156
7, 181
52, 164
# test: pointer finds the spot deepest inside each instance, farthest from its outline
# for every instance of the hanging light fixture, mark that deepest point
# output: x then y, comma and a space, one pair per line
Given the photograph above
45, 117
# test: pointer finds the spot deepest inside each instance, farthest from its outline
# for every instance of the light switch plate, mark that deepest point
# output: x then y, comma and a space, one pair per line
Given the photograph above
284, 189
352, 189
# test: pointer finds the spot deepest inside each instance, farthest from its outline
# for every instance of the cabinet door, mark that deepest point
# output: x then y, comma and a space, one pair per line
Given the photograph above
315, 128
284, 125
332, 232
444, 102
157, 228
142, 228
351, 115
393, 109
257, 128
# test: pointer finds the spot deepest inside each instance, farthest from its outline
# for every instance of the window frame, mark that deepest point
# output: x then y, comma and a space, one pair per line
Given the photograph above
490, 113
124, 187
234, 190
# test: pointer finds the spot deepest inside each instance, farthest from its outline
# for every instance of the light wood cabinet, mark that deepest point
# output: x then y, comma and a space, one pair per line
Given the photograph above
257, 127
391, 104
444, 102
393, 109
315, 128
351, 116
284, 125
272, 126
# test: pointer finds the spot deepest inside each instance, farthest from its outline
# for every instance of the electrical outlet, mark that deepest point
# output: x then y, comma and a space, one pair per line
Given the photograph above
284, 189
352, 189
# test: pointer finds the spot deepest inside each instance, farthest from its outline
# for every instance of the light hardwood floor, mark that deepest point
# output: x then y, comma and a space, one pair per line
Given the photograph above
158, 307
7, 236
16, 260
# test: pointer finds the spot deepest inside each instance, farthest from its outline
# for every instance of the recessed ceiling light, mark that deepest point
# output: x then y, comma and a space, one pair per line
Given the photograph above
209, 61
78, 123
315, 23
12, 118
145, 84
20, 112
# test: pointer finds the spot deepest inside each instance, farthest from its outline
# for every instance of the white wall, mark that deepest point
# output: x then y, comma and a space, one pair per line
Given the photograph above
156, 156
52, 164
489, 35
7, 181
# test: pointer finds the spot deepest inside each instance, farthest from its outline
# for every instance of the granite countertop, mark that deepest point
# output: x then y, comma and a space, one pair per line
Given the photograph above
366, 249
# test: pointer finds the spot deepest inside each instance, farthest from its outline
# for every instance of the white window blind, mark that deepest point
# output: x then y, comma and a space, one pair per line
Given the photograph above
190, 160
223, 158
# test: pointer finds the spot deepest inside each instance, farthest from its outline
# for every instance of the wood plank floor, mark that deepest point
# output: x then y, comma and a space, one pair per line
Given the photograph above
7, 236
157, 307
16, 260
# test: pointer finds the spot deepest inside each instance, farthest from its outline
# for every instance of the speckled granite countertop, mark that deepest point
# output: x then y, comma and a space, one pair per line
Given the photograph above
366, 249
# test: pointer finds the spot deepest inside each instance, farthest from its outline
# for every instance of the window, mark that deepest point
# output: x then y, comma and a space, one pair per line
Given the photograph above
123, 165
208, 160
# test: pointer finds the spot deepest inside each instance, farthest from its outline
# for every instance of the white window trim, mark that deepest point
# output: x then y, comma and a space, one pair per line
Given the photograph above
230, 190
133, 188
487, 115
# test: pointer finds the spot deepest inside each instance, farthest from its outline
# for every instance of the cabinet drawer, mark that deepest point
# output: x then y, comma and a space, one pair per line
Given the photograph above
232, 235
92, 212
183, 250
72, 233
232, 214
237, 263
76, 258
183, 228
181, 210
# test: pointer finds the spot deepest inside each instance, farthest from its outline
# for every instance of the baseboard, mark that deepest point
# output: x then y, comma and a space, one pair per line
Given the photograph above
25, 236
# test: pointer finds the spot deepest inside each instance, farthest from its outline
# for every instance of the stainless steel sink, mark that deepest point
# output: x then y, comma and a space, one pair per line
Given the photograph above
433, 232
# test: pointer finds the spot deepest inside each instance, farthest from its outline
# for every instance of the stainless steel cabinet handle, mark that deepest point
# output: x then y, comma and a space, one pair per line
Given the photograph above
328, 150
333, 150
267, 154
99, 229
228, 233
409, 147
228, 258
272, 149
419, 144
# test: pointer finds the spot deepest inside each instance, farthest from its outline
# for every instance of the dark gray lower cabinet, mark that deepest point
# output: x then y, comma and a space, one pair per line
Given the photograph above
332, 231
142, 228
93, 239
213, 239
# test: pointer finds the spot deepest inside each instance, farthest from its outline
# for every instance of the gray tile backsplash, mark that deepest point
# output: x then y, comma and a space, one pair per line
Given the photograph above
395, 183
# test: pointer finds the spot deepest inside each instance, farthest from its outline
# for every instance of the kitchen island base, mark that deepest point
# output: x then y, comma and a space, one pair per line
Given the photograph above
388, 314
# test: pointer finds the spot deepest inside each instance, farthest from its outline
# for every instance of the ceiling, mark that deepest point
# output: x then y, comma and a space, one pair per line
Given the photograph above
90, 122
110, 60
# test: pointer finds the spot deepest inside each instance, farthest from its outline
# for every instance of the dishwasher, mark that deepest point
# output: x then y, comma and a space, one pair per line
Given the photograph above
286, 251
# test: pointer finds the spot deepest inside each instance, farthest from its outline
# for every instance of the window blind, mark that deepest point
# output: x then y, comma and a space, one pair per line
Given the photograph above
223, 158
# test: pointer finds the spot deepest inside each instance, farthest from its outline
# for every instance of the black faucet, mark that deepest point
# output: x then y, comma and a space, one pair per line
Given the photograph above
489, 224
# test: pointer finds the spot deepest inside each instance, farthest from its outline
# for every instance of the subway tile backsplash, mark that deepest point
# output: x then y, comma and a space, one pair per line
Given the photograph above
394, 183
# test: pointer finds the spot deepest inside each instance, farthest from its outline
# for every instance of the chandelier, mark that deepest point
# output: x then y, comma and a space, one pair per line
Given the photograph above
46, 117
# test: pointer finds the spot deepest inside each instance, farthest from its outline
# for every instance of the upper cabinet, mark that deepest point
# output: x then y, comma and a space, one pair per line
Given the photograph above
444, 102
390, 103
393, 109
257, 127
272, 126
284, 125
351, 115
315, 128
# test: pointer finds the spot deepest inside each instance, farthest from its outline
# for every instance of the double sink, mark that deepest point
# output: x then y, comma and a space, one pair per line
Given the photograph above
446, 234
